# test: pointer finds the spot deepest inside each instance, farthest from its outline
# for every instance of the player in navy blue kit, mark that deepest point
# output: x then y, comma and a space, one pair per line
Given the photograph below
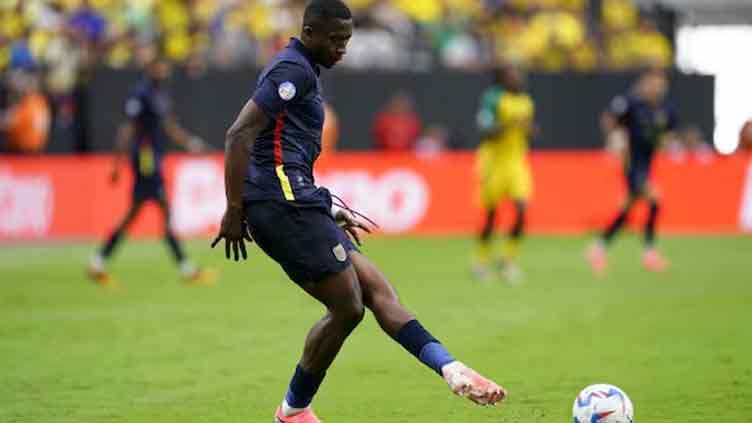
142, 139
272, 199
646, 118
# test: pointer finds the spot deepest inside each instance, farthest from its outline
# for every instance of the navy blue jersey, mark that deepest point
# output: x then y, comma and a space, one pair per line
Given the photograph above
646, 125
289, 92
146, 107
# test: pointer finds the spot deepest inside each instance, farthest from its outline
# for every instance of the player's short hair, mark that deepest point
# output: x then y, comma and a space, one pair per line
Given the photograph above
320, 12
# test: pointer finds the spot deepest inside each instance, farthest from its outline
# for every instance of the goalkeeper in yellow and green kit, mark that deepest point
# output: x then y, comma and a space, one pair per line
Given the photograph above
506, 124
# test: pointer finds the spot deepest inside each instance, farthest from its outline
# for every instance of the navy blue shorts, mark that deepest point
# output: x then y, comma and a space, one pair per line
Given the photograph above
148, 189
637, 178
304, 239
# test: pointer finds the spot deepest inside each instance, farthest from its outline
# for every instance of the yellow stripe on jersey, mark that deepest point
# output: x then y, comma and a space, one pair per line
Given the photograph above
285, 183
146, 160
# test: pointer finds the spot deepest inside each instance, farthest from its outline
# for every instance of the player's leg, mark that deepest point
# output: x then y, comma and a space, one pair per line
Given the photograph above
311, 248
651, 259
491, 192
483, 255
618, 222
188, 270
511, 248
341, 294
596, 253
97, 263
637, 177
117, 235
400, 324
520, 189
169, 236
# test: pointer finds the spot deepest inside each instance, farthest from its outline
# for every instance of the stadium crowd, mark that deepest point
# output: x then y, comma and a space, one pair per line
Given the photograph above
59, 44
549, 35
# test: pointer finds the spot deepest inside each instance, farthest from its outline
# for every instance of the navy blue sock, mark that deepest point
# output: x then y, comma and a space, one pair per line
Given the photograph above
650, 225
418, 342
303, 387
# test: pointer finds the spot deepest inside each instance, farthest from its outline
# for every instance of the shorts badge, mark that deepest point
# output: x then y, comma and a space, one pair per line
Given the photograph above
339, 252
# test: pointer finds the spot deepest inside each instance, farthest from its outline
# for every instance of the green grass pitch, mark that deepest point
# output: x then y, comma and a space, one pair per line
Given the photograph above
156, 351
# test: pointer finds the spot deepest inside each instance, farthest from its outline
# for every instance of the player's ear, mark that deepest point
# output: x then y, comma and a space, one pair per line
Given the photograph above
308, 30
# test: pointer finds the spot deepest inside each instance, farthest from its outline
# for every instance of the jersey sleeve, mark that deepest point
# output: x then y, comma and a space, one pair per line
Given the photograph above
619, 107
487, 118
285, 84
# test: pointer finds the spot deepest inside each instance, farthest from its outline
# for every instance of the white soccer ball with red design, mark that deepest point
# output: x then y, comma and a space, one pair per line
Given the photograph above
602, 404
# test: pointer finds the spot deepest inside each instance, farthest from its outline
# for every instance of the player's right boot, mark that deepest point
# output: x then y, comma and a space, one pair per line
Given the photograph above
305, 416
511, 272
466, 382
596, 257
653, 261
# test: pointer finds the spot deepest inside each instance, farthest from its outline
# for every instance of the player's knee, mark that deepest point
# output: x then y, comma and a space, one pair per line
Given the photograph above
349, 311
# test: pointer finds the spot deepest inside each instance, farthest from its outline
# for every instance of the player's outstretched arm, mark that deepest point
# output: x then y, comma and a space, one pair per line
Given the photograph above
182, 138
238, 143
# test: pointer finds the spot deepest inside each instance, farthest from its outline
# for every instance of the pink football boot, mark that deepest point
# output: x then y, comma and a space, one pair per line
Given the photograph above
653, 261
466, 382
305, 416
596, 257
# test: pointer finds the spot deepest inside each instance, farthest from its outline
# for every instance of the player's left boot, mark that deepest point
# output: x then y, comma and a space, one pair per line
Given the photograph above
653, 261
193, 275
481, 272
466, 382
97, 272
596, 257
200, 277
305, 416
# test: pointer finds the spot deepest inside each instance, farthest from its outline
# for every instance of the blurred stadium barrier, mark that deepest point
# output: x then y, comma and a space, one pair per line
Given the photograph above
71, 197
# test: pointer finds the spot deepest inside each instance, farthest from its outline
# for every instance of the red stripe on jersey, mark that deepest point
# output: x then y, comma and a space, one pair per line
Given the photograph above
278, 137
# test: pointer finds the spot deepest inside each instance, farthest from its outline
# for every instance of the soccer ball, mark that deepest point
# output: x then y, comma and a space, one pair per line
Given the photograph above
602, 404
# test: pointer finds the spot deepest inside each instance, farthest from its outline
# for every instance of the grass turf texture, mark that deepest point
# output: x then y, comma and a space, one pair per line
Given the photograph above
156, 351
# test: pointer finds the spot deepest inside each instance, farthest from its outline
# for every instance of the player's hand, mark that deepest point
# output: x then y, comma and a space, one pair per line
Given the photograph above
234, 231
351, 224
196, 145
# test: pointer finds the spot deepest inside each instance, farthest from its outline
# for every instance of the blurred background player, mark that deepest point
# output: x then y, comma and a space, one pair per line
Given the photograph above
142, 138
645, 118
505, 121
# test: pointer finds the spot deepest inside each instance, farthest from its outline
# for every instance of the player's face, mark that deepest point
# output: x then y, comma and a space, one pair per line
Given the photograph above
160, 70
515, 79
654, 86
331, 42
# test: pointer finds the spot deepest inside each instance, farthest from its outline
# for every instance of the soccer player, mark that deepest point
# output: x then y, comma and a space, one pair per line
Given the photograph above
142, 138
646, 118
271, 198
506, 123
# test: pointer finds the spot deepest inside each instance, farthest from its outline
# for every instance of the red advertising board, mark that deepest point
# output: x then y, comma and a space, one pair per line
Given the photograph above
71, 197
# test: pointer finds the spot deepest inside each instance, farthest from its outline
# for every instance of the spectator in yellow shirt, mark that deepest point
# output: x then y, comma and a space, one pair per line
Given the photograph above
650, 47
